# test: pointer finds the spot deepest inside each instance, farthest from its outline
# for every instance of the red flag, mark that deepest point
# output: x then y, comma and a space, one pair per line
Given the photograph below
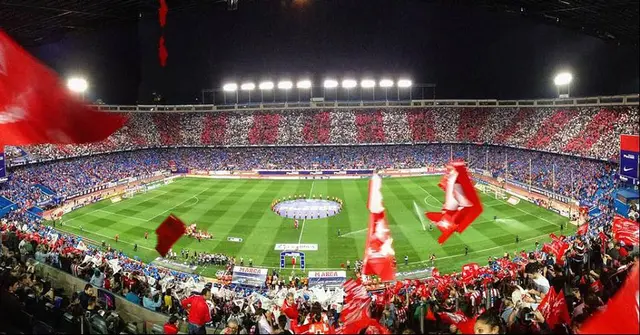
36, 108
466, 327
603, 241
469, 272
547, 303
559, 311
169, 232
379, 253
622, 311
453, 318
582, 230
625, 230
355, 313
430, 315
162, 13
462, 204
162, 52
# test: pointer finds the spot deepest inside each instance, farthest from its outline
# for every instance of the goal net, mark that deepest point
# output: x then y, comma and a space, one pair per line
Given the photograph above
492, 191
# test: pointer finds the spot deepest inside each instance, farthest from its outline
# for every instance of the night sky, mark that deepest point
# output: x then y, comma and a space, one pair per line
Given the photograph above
468, 52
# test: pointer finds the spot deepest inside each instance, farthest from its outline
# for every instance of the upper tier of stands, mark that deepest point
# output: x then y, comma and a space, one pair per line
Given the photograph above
587, 130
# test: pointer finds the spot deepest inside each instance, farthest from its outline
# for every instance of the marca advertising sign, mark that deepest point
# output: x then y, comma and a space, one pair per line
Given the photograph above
3, 168
296, 247
247, 276
327, 278
629, 152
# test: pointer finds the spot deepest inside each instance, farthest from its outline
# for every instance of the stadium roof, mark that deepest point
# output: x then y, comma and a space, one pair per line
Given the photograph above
34, 22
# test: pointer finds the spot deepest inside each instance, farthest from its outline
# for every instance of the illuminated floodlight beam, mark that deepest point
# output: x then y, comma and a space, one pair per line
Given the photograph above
285, 85
404, 83
266, 85
349, 83
231, 87
77, 85
330, 83
386, 83
563, 78
248, 86
368, 83
304, 84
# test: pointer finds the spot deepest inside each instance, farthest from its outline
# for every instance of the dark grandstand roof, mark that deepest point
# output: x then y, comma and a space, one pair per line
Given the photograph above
612, 20
35, 22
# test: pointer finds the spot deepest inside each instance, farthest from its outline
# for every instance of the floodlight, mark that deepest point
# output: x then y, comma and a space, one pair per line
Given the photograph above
285, 85
563, 78
330, 83
349, 83
232, 87
78, 85
248, 86
368, 83
267, 85
386, 83
306, 84
404, 83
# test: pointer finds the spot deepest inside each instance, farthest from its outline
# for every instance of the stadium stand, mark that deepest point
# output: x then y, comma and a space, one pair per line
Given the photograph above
572, 153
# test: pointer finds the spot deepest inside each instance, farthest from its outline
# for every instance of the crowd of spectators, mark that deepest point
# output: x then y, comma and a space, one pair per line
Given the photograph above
585, 131
574, 177
501, 294
501, 297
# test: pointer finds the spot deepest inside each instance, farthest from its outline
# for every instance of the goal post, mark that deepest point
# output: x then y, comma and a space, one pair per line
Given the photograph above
492, 191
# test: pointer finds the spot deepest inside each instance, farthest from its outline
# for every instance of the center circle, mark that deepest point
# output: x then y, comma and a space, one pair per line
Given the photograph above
307, 209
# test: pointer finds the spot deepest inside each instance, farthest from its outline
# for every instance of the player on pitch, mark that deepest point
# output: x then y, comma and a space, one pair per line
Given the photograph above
295, 223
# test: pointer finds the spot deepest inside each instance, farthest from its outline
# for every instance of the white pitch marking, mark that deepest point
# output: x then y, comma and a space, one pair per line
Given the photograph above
304, 220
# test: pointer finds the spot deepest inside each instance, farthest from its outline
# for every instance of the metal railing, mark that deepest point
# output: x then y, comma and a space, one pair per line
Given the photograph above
618, 100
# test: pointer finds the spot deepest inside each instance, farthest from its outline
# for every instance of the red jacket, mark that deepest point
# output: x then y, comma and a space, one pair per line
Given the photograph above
199, 313
170, 328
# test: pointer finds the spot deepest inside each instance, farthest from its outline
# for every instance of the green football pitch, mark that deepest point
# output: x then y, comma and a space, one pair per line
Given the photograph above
241, 208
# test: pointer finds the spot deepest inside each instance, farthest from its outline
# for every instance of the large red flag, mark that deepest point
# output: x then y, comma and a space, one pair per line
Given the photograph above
547, 303
169, 232
622, 313
559, 311
462, 204
355, 313
625, 230
36, 108
379, 253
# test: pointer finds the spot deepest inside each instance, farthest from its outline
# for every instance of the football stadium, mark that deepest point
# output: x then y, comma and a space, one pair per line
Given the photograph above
319, 168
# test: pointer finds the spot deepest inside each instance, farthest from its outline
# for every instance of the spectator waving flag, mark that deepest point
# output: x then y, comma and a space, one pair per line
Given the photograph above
36, 108
462, 204
625, 230
379, 253
622, 313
